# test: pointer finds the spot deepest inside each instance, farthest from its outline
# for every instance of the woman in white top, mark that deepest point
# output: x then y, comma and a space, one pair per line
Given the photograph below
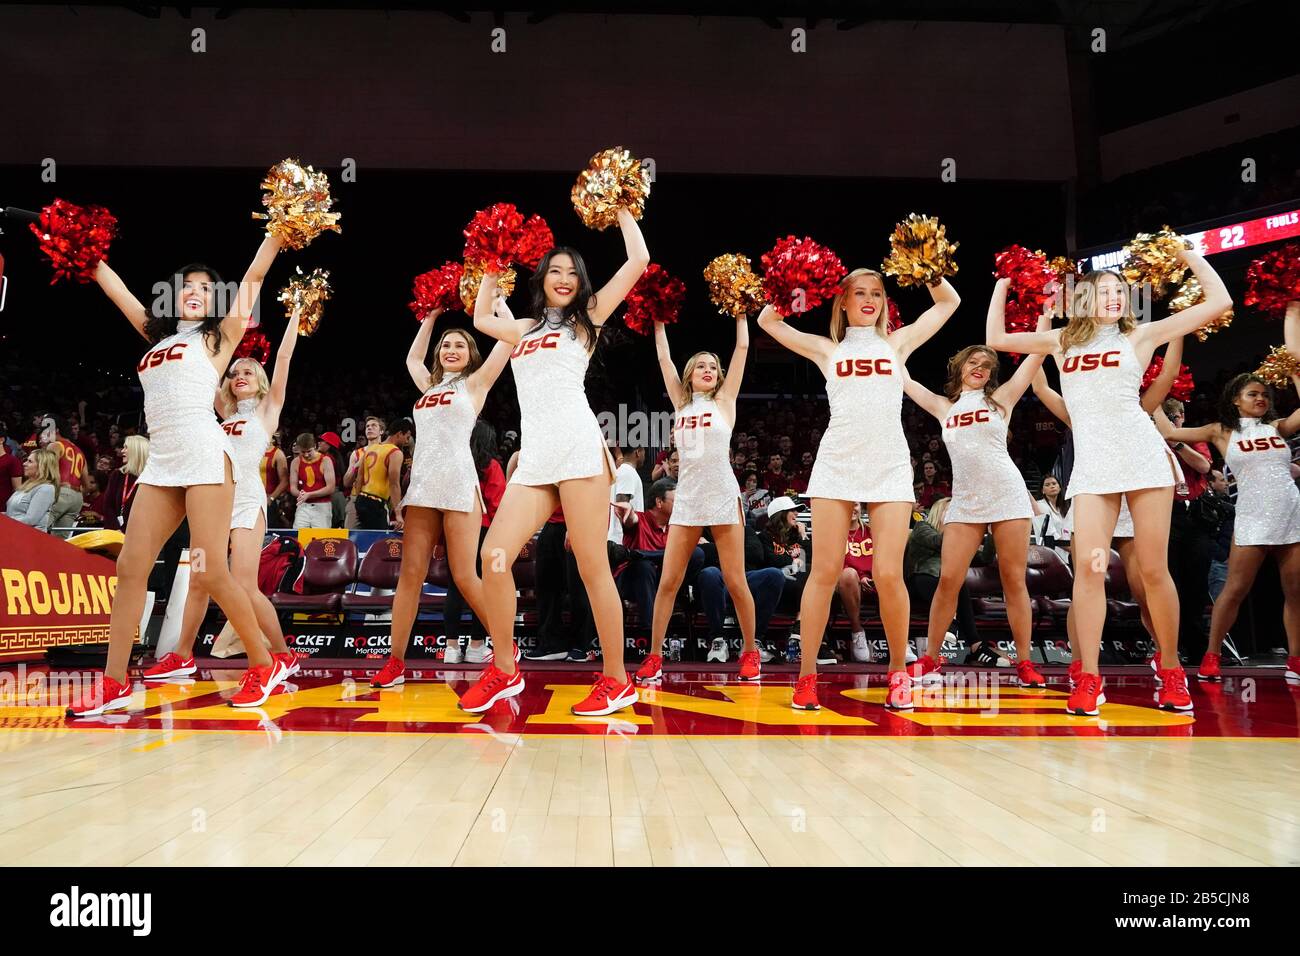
31, 503
1052, 508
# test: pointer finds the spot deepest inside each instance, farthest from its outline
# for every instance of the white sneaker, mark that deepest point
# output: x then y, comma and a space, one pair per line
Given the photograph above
911, 654
764, 655
861, 649
718, 651
478, 652
451, 654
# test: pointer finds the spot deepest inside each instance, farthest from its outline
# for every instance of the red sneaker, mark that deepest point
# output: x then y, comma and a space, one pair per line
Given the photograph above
292, 662
652, 669
171, 665
607, 695
1173, 690
256, 685
805, 693
899, 696
391, 674
924, 667
493, 685
1073, 671
1029, 675
1154, 662
109, 695
1087, 697
1292, 668
1210, 668
750, 666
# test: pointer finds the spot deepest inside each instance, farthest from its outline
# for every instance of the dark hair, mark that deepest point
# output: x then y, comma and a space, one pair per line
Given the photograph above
1229, 414
660, 490
573, 316
778, 530
748, 475
163, 317
483, 445
402, 425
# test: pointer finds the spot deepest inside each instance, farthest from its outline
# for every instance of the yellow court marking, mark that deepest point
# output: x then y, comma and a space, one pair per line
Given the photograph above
988, 711
162, 742
564, 696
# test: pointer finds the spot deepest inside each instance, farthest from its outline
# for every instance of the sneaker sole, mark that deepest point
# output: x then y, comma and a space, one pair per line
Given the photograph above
897, 707
399, 679
1211, 678
618, 703
1176, 707
1037, 685
120, 703
512, 691
563, 656
715, 660
1084, 713
179, 672
656, 676
794, 706
748, 679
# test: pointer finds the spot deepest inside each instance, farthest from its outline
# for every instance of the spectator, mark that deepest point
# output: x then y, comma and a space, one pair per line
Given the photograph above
274, 468
670, 466
766, 584
933, 487
11, 471
7, 442
1193, 526
72, 465
402, 434
31, 503
311, 482
784, 540
92, 509
776, 480
374, 436
1049, 526
377, 480
626, 488
331, 446
645, 537
1222, 543
755, 499
921, 566
120, 492
855, 582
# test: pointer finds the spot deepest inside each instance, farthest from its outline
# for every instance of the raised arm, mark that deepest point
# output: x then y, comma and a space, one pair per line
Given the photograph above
736, 371
936, 405
1288, 426
250, 287
1216, 302
1158, 390
486, 375
613, 292
1290, 329
419, 352
997, 337
672, 384
1051, 398
910, 337
121, 296
273, 404
490, 319
1013, 389
1212, 432
815, 348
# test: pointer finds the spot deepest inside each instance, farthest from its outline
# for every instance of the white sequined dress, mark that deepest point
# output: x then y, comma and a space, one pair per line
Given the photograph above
707, 492
443, 475
986, 485
250, 441
1268, 503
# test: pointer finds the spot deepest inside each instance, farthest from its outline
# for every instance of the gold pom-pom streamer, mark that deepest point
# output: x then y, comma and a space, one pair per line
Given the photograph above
920, 253
1279, 367
1189, 294
307, 294
472, 278
733, 286
614, 179
1153, 258
298, 204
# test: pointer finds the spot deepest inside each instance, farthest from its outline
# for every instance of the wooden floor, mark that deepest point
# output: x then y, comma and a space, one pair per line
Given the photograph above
120, 797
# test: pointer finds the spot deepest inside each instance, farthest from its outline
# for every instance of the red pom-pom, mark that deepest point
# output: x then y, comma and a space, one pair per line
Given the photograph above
895, 317
493, 235
254, 345
1183, 384
535, 242
800, 274
436, 289
1033, 281
1273, 280
75, 238
656, 297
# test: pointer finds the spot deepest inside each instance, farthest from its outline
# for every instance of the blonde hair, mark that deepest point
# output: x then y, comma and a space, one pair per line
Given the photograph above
437, 372
259, 375
688, 372
934, 517
137, 454
840, 316
47, 470
1082, 325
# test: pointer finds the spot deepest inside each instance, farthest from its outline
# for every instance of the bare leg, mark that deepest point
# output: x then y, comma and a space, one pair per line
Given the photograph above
1094, 526
1152, 509
1011, 538
586, 512
960, 542
522, 511
677, 554
730, 540
421, 529
830, 520
890, 524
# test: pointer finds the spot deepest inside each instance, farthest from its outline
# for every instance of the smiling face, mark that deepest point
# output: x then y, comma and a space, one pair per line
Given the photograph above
196, 296
671, 463
976, 370
31, 467
864, 300
453, 351
704, 373
243, 379
561, 281
1110, 302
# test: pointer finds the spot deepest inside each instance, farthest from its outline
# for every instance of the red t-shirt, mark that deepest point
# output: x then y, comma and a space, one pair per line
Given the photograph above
646, 534
72, 463
932, 493
1196, 482
777, 484
10, 467
493, 484
858, 551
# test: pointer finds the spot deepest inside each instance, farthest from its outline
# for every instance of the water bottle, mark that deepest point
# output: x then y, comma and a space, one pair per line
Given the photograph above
675, 649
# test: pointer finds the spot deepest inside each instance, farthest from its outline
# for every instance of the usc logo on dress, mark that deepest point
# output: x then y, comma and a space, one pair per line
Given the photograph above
967, 418
234, 428
530, 346
695, 421
433, 400
1089, 363
1262, 444
158, 356
860, 367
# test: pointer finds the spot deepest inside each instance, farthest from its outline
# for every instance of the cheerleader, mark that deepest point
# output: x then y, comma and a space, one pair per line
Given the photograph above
863, 456
988, 492
562, 460
191, 471
1253, 444
1102, 353
704, 399
250, 409
444, 500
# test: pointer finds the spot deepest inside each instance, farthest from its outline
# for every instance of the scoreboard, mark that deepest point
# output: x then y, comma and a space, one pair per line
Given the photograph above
1227, 238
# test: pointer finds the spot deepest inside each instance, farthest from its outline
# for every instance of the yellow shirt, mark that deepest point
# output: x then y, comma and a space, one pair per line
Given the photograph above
372, 474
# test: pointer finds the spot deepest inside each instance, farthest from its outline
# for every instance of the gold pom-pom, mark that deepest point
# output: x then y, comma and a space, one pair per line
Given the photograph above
1280, 366
1190, 293
472, 277
306, 295
920, 253
298, 204
614, 179
1153, 258
733, 286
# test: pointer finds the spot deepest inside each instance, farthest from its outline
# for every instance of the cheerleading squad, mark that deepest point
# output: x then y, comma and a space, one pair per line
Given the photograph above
1121, 488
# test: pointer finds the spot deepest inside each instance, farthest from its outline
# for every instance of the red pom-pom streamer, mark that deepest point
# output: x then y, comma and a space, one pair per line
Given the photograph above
254, 345
536, 241
493, 235
1033, 281
800, 274
436, 289
895, 317
75, 238
1183, 384
656, 297
1273, 280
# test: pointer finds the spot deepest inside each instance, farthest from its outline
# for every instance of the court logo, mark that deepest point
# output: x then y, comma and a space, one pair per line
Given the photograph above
77, 909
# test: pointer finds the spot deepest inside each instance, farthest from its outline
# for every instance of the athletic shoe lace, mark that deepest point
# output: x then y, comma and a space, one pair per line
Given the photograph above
1176, 683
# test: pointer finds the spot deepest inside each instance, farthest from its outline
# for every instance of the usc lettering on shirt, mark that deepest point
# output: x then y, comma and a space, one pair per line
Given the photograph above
434, 399
793, 550
311, 475
72, 463
694, 421
967, 418
1263, 444
1091, 362
846, 368
529, 346
155, 358
235, 428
